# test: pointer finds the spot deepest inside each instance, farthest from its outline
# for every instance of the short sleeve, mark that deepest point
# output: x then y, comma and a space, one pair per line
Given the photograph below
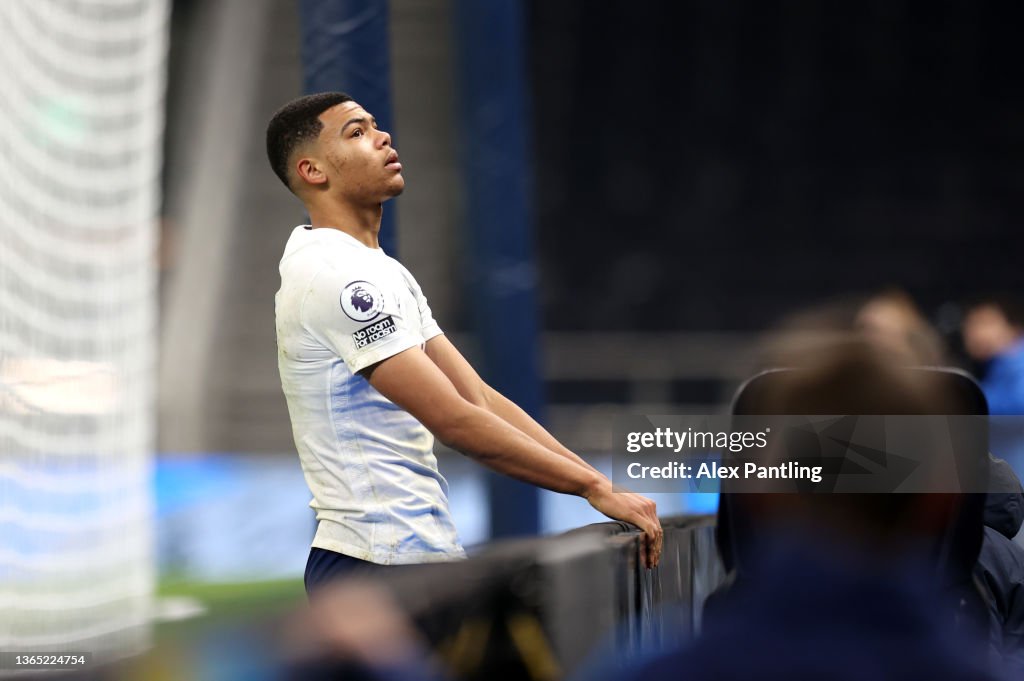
356, 315
428, 326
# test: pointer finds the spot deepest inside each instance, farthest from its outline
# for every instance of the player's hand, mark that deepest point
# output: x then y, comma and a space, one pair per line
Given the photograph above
635, 509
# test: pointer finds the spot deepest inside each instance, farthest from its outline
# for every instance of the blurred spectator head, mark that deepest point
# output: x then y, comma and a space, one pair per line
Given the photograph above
853, 377
354, 629
892, 322
889, 321
991, 326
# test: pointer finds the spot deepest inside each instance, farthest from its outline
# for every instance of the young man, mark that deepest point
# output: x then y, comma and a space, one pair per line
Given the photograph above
368, 374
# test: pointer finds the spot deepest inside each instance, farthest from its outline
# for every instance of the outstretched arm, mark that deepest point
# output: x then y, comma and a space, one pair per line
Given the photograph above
473, 388
414, 382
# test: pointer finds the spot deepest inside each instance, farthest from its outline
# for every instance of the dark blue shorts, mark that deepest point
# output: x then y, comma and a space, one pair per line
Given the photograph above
322, 566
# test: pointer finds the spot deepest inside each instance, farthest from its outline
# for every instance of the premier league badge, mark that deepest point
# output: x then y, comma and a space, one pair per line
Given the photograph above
361, 301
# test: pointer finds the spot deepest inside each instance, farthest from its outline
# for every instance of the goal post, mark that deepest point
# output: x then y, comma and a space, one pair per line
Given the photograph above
81, 127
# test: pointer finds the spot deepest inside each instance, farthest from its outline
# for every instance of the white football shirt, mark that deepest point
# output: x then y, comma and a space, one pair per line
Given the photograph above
369, 464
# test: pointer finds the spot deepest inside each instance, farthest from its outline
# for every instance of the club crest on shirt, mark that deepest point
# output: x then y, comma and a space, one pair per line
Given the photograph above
374, 332
361, 301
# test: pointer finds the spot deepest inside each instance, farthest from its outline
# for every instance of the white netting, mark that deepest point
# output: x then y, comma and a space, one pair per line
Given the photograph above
81, 118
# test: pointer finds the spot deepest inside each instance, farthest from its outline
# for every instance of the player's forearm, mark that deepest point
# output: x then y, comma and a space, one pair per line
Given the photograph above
506, 449
510, 412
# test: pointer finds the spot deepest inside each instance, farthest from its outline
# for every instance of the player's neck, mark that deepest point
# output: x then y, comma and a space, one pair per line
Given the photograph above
360, 222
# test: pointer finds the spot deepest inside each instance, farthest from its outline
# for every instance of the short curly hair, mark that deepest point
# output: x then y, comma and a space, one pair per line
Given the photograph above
294, 124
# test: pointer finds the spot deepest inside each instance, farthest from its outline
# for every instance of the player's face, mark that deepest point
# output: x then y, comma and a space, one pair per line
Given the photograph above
359, 159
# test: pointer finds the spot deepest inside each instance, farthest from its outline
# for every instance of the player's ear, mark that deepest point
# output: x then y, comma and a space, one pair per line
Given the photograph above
310, 171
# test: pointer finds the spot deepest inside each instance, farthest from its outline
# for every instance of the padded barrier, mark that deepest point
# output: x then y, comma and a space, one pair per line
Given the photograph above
536, 608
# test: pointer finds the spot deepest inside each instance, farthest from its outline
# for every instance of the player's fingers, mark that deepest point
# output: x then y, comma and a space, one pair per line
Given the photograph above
657, 534
649, 544
659, 545
645, 550
655, 546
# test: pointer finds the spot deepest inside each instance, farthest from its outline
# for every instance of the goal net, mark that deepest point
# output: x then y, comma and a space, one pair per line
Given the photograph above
81, 122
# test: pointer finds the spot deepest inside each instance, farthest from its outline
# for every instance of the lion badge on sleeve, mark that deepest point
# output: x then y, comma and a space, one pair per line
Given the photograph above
361, 301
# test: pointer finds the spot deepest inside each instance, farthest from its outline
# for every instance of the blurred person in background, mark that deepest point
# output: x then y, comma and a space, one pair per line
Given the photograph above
892, 322
355, 630
993, 333
369, 376
1000, 568
837, 586
993, 337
